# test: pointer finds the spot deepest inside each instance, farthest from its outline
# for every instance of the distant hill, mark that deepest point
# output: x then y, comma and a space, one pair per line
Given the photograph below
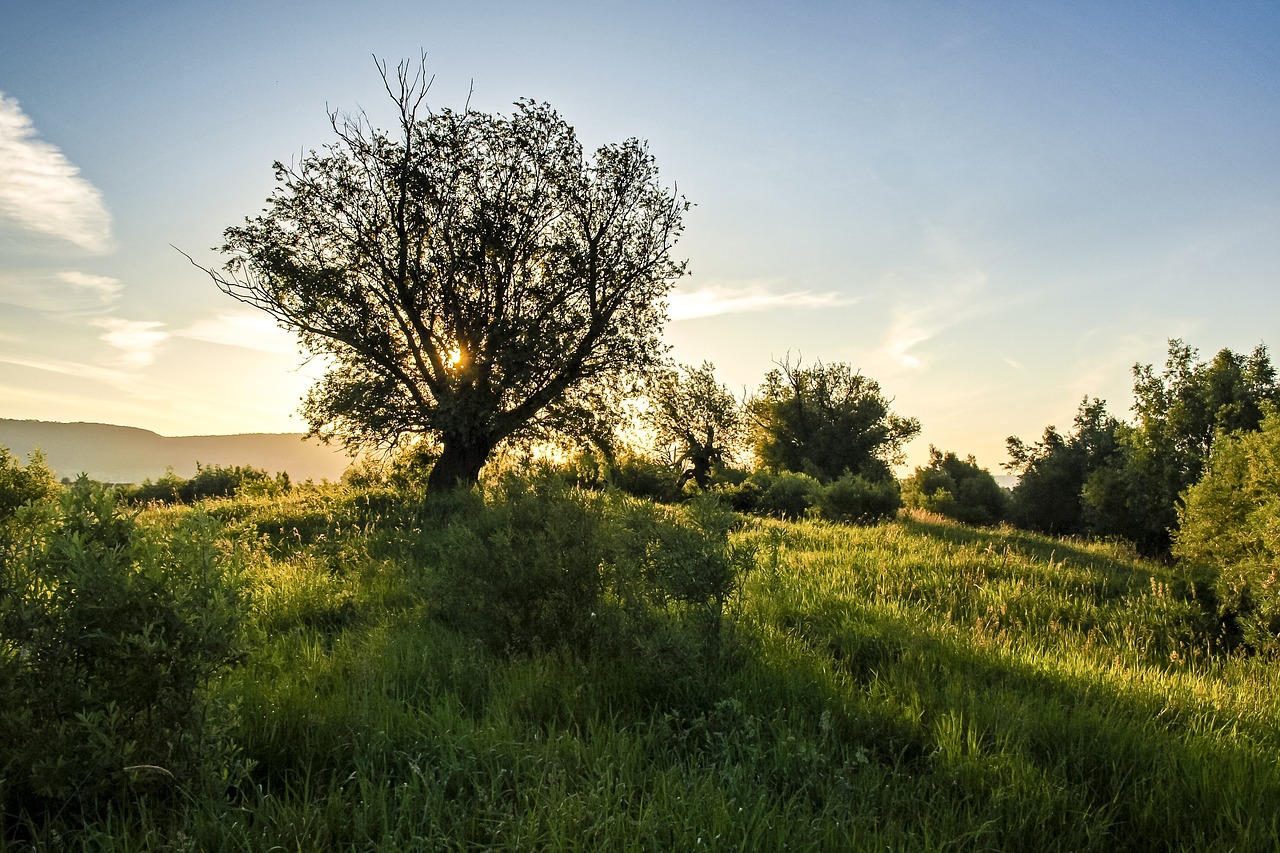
118, 454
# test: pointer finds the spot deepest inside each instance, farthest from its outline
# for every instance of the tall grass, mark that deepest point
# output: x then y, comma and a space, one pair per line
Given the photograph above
916, 685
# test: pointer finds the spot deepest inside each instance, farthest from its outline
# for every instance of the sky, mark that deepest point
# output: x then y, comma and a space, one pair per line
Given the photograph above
993, 209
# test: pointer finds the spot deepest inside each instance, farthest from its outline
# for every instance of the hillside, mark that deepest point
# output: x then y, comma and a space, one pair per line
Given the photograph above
119, 454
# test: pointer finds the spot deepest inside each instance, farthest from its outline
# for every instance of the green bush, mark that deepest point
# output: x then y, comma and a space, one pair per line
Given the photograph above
643, 478
108, 640
23, 484
956, 488
538, 566
1230, 520
781, 495
210, 481
854, 498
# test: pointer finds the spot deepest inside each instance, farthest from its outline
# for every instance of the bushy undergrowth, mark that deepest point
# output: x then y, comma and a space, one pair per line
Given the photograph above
210, 481
851, 498
537, 566
109, 639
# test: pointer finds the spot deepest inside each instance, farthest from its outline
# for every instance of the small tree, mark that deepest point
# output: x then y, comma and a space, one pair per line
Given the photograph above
826, 421
698, 417
471, 279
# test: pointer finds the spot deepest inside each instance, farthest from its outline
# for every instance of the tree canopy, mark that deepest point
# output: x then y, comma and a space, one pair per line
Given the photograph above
469, 279
826, 421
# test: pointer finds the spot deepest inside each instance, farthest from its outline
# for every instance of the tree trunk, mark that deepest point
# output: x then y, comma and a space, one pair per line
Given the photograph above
458, 466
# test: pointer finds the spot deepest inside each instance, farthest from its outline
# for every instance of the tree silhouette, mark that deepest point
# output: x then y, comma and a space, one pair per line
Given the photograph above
473, 279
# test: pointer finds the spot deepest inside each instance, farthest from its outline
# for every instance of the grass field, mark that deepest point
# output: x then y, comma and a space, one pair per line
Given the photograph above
916, 685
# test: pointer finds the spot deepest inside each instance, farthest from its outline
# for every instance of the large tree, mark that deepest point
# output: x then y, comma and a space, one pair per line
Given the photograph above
469, 279
827, 420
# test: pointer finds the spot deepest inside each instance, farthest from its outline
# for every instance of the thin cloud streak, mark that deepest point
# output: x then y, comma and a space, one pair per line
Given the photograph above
63, 293
42, 191
716, 299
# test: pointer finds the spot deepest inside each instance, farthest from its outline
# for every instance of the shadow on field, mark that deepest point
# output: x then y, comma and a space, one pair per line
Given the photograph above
1149, 768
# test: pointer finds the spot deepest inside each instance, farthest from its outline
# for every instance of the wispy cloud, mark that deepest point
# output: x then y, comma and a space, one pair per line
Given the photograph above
66, 292
137, 340
249, 330
738, 298
42, 191
926, 315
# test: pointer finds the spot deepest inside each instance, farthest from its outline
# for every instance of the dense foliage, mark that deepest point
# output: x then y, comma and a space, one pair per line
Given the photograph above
470, 279
1180, 413
1231, 521
827, 421
23, 484
209, 481
956, 488
1049, 496
109, 636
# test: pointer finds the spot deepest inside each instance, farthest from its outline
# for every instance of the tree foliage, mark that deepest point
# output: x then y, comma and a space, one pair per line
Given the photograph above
956, 488
697, 417
1230, 520
470, 278
1180, 413
826, 421
1054, 470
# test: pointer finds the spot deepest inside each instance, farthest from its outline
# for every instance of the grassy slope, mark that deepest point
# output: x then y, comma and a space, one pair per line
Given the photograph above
911, 686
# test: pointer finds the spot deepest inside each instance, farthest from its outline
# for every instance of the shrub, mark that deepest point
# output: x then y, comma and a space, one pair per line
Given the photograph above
857, 499
643, 478
956, 488
210, 481
540, 566
1230, 520
107, 641
23, 484
782, 495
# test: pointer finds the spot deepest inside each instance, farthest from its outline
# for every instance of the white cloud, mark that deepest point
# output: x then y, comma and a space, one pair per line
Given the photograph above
246, 329
737, 298
66, 292
137, 340
42, 191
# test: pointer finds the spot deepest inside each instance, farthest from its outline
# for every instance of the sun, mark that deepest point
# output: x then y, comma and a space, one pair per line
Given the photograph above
455, 357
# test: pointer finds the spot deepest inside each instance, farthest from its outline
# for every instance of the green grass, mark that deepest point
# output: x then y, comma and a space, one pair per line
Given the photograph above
916, 685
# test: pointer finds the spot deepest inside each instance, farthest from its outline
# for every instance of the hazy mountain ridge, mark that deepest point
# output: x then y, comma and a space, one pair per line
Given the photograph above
122, 454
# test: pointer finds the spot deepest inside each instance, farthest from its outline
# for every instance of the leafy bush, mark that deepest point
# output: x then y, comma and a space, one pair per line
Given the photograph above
1230, 520
23, 484
854, 498
210, 481
107, 641
643, 478
537, 566
956, 488
781, 495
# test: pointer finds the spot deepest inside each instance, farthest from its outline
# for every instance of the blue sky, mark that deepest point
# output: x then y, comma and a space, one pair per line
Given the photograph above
994, 209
